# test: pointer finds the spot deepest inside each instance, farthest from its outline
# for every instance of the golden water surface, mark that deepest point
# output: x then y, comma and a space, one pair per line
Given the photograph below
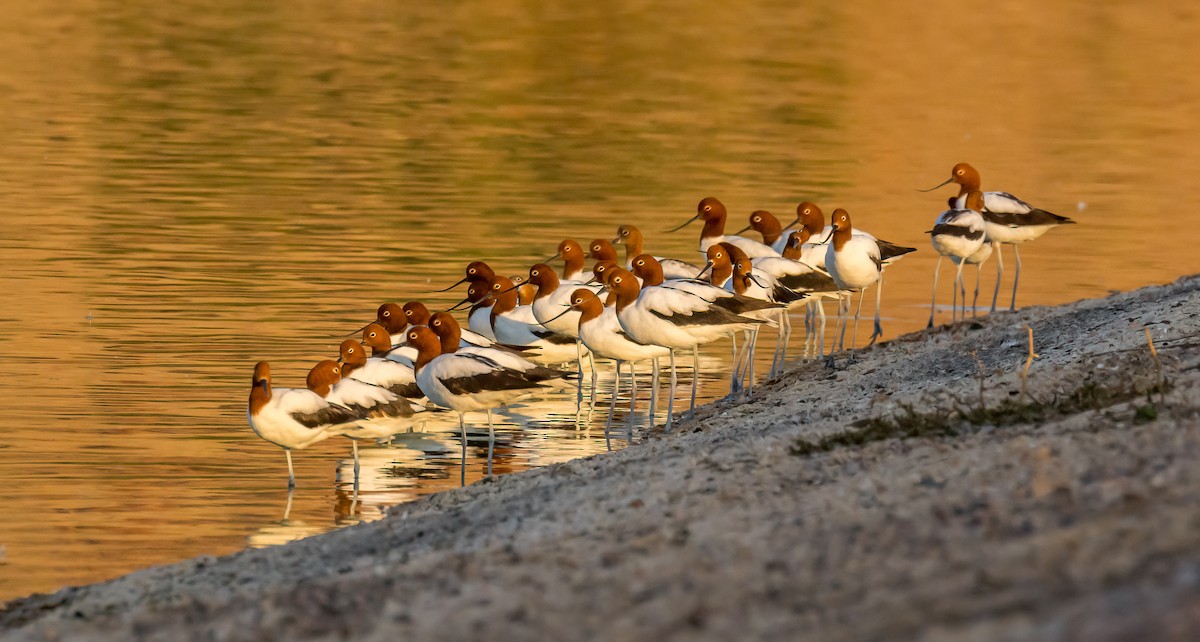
190, 187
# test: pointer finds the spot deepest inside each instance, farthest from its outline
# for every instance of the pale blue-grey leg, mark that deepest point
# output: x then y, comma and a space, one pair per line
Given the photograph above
878, 331
462, 429
1016, 276
491, 441
996, 247
695, 378
612, 404
654, 392
933, 299
632, 399
291, 471
671, 394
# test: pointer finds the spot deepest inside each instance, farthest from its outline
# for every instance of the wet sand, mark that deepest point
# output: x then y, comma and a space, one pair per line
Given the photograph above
885, 499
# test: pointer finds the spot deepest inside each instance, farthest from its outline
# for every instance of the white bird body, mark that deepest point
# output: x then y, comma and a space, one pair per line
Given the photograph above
680, 314
386, 373
982, 254
796, 275
603, 335
856, 265
958, 233
292, 418
465, 382
548, 307
480, 322
1011, 220
672, 268
753, 249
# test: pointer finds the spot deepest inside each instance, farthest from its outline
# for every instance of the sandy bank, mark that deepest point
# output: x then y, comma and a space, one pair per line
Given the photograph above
1072, 511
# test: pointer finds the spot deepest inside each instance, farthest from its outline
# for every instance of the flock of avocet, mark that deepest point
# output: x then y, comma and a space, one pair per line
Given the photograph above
647, 308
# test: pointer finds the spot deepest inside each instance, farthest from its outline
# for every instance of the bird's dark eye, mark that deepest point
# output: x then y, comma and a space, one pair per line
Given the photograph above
959, 172
350, 351
757, 219
617, 280
387, 313
533, 273
372, 334
471, 271
708, 208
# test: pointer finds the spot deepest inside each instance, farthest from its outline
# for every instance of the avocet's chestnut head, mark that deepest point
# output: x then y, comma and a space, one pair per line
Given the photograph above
811, 218
966, 176
425, 342
476, 271
841, 220
581, 298
603, 270
391, 316
712, 211
586, 301
719, 266
842, 228
648, 269
416, 313
322, 377
447, 329
352, 355
479, 271
718, 256
743, 267
795, 247
627, 234
572, 255
479, 291
377, 338
631, 237
542, 277
602, 250
262, 373
504, 293
764, 223
260, 387
710, 208
570, 248
623, 284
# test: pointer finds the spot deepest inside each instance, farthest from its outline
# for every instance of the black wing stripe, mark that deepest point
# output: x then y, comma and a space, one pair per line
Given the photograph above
1033, 217
956, 230
888, 251
329, 415
810, 282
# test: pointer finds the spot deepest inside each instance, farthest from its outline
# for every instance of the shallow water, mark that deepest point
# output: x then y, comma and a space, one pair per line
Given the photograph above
191, 187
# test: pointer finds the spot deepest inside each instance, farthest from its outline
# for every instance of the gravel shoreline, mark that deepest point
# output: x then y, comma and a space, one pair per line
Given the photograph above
882, 499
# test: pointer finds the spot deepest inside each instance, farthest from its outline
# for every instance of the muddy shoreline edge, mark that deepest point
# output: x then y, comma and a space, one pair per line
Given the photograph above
928, 490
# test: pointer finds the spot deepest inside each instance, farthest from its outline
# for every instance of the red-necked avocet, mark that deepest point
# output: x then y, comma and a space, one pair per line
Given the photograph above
465, 382
856, 263
1009, 220
292, 418
713, 213
631, 237
957, 233
573, 256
